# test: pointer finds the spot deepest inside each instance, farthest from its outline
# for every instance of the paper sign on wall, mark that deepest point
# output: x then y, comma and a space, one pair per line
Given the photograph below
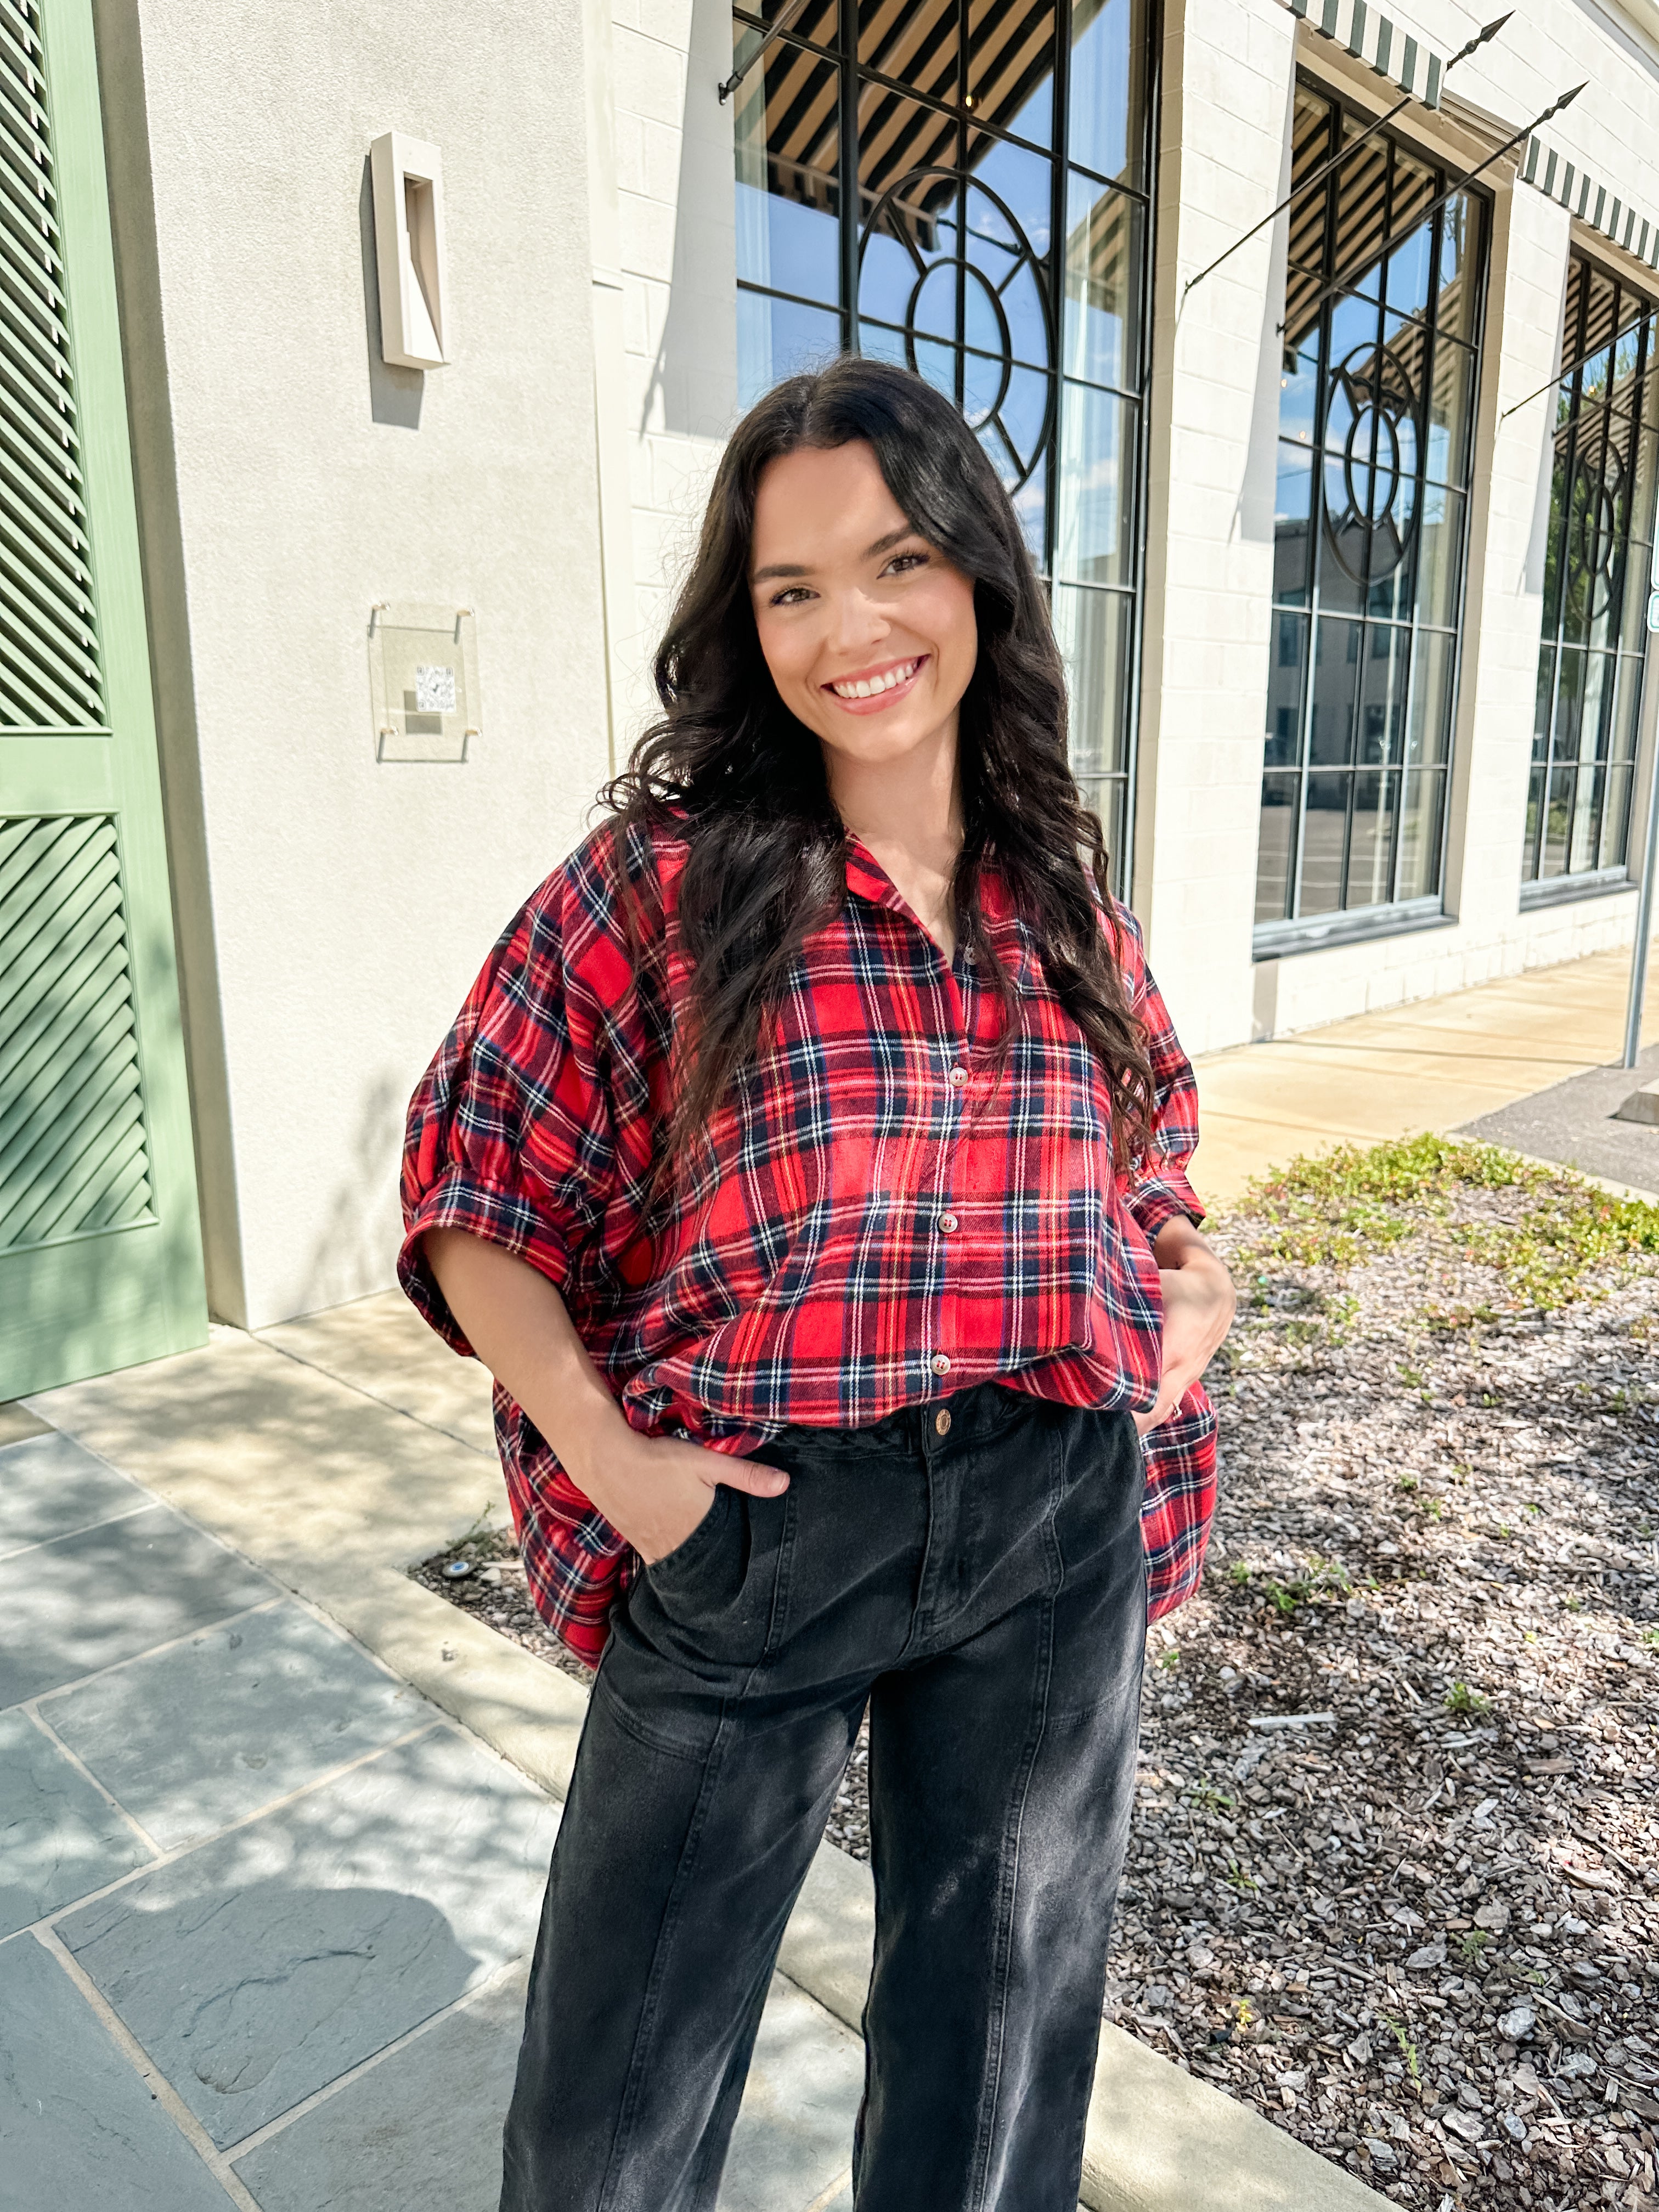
423, 682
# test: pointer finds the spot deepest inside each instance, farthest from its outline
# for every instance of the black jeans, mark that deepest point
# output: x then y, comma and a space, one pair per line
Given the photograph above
974, 1570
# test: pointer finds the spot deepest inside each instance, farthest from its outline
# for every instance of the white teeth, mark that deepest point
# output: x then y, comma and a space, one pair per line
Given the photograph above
867, 686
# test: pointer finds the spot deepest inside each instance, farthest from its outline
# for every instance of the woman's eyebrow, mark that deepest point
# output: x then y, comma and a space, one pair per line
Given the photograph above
869, 553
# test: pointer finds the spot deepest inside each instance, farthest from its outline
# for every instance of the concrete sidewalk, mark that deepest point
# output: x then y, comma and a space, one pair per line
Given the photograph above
1438, 1065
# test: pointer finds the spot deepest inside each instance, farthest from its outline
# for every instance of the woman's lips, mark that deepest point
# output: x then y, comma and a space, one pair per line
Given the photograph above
894, 680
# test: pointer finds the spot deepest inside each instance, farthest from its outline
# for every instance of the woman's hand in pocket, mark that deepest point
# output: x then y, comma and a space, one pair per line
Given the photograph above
657, 1491
1199, 1300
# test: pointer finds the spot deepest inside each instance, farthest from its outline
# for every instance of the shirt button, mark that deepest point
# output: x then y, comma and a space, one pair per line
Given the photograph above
940, 1364
948, 1222
958, 1076
942, 1422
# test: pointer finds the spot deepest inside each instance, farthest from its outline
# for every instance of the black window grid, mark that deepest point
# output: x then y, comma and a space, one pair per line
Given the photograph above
1591, 831
1111, 792
1318, 224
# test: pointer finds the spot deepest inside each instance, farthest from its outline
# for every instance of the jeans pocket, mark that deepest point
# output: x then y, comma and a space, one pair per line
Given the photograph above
687, 1553
712, 1599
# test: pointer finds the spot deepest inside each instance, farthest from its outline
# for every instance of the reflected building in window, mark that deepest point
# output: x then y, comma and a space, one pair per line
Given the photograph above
1379, 379
962, 188
1597, 576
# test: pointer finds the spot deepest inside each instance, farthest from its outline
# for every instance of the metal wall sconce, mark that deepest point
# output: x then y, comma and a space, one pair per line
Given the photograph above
408, 180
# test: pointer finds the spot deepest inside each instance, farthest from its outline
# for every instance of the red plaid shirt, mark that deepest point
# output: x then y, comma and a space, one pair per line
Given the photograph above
878, 1217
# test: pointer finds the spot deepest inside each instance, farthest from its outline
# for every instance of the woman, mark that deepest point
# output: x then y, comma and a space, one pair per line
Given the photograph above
806, 1165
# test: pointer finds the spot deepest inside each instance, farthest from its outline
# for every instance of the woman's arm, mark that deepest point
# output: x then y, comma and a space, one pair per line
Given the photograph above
1198, 1299
654, 1490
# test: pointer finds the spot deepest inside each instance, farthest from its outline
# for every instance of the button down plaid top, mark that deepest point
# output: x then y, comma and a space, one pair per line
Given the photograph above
878, 1216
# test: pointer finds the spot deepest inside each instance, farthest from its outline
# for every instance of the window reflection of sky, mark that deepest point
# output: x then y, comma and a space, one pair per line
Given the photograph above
788, 247
1099, 102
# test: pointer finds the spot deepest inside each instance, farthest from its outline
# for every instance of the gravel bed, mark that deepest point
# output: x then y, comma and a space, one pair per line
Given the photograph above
493, 1590
1393, 1879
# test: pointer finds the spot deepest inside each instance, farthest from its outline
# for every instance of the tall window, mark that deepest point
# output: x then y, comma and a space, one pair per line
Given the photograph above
1595, 586
960, 185
1376, 417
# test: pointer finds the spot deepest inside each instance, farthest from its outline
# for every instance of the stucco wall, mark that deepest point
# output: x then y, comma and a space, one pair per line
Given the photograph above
333, 910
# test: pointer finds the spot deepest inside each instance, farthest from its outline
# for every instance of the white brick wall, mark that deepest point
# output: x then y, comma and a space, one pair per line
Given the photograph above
1613, 130
1227, 72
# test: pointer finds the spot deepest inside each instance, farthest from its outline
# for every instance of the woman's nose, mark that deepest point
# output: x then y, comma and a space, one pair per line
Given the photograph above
857, 621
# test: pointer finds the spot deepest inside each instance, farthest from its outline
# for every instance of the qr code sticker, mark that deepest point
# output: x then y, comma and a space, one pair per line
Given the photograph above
434, 689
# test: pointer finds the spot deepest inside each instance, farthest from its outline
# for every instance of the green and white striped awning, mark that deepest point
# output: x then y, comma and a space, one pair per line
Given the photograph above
1373, 38
1590, 203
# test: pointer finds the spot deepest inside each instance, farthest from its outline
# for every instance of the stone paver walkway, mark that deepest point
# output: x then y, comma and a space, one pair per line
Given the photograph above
264, 1910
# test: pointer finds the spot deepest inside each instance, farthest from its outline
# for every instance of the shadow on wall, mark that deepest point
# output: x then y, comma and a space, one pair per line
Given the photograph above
356, 1249
693, 378
1259, 494
394, 394
1532, 573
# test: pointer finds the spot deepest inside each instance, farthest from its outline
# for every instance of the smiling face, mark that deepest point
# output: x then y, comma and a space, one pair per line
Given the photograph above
868, 629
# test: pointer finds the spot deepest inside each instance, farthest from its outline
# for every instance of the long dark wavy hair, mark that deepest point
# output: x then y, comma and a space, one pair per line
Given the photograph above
729, 767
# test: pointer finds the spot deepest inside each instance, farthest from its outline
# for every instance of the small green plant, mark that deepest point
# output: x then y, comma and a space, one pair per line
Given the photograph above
1405, 1482
1408, 2048
1243, 2014
1650, 1637
1568, 1246
1411, 1376
1459, 1698
1434, 1508
1211, 1799
1282, 1600
1504, 1529
1571, 1240
1573, 1604
1340, 1208
1170, 1661
1471, 1943
1238, 1574
1237, 1879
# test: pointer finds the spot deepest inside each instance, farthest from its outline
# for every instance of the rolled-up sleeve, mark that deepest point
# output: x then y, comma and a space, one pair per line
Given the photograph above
1156, 1190
509, 1133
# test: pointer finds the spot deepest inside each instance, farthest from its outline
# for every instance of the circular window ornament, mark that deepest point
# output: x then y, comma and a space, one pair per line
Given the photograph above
958, 304
1593, 539
1371, 463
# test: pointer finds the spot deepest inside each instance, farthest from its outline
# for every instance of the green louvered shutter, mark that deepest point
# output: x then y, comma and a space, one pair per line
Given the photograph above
100, 1241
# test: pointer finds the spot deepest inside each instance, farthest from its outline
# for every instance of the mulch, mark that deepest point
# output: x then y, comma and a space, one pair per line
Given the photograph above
1394, 1880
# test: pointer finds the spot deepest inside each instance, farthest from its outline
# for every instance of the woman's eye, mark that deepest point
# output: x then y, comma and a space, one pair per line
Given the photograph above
794, 596
902, 564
